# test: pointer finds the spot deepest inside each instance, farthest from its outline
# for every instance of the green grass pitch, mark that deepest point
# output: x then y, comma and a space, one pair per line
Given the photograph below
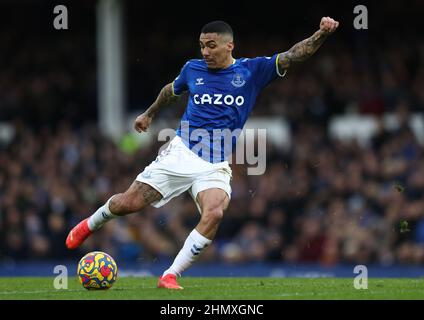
144, 288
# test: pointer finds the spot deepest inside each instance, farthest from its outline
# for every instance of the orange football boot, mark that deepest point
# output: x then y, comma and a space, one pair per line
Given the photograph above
78, 234
169, 281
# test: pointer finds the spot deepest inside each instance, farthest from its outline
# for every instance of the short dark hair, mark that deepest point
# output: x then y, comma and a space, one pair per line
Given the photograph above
219, 27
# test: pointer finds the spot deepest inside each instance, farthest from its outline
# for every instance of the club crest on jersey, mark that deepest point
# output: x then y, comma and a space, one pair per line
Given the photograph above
238, 80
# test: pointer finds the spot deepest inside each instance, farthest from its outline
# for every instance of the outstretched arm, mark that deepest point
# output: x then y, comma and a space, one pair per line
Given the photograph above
306, 48
165, 97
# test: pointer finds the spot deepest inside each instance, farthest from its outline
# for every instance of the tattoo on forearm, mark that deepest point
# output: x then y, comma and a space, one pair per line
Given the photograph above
148, 194
165, 97
302, 50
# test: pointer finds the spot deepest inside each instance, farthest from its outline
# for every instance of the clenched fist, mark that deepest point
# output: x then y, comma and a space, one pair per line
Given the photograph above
142, 122
328, 25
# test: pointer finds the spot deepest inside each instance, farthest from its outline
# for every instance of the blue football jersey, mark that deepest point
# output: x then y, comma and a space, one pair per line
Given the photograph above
220, 102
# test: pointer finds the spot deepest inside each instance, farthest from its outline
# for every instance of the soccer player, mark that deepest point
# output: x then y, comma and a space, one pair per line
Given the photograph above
222, 92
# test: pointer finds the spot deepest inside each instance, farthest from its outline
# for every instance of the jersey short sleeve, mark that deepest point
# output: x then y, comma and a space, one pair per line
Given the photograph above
180, 83
266, 70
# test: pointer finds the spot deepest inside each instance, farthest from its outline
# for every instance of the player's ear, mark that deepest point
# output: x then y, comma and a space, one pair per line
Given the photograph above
230, 45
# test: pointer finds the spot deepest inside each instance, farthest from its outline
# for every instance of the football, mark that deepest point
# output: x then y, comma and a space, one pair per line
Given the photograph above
97, 271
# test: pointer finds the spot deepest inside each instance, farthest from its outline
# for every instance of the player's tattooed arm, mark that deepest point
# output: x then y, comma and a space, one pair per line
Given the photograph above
306, 48
301, 51
165, 97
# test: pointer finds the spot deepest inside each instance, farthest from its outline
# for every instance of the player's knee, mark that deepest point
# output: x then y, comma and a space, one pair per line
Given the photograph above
212, 214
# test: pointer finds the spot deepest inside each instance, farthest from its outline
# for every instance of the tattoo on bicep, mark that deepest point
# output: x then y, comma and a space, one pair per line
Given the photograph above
167, 95
283, 61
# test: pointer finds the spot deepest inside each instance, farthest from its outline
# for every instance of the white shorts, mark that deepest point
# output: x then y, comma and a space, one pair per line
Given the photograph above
178, 169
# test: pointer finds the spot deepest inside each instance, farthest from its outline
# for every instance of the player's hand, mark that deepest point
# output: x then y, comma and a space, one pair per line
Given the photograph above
328, 25
142, 122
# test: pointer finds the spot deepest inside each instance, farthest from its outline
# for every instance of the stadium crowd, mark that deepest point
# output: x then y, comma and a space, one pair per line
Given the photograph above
324, 201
